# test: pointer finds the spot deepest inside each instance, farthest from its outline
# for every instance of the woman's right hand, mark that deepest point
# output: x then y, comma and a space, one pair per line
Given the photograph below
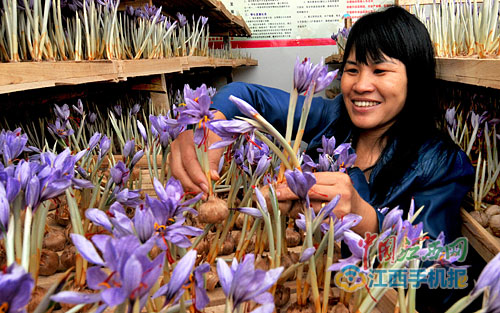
184, 163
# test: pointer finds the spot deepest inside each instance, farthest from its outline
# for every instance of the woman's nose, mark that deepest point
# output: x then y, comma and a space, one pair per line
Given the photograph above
364, 82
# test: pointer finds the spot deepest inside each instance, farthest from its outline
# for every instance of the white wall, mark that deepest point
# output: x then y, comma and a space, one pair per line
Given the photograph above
276, 65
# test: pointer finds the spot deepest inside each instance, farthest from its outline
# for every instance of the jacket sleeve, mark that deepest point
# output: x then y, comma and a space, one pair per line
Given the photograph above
273, 104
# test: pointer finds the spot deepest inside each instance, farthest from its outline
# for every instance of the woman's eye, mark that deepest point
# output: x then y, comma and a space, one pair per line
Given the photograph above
351, 70
379, 71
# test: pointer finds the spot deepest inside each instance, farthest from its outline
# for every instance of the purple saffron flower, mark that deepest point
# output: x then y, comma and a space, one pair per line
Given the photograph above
63, 112
341, 225
94, 141
450, 118
196, 93
182, 19
92, 117
300, 183
302, 74
15, 289
142, 131
244, 107
136, 158
204, 20
307, 254
229, 131
104, 146
197, 111
129, 273
242, 282
308, 165
79, 107
489, 278
128, 197
165, 129
328, 145
170, 200
130, 11
144, 222
61, 129
322, 78
353, 241
4, 211
344, 158
118, 110
120, 173
180, 275
128, 149
135, 109
250, 211
12, 144
393, 222
201, 298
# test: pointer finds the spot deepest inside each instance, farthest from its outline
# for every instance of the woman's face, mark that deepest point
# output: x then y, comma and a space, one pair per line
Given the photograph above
374, 94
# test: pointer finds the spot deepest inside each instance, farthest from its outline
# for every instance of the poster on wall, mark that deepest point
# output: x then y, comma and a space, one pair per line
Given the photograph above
281, 23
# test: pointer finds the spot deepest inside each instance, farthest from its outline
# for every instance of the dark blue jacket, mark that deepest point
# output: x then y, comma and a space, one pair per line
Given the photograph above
438, 180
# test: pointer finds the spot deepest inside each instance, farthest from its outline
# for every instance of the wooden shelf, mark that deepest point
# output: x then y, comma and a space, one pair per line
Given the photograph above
473, 71
486, 244
221, 21
32, 75
334, 59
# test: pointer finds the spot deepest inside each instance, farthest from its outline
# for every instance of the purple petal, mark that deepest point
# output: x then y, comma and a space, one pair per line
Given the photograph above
87, 249
98, 217
75, 297
250, 211
307, 254
244, 107
225, 276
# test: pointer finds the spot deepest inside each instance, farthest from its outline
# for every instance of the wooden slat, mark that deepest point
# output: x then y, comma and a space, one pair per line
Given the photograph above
479, 238
33, 75
473, 71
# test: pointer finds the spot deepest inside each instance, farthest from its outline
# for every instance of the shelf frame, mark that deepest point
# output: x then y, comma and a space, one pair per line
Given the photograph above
33, 75
473, 71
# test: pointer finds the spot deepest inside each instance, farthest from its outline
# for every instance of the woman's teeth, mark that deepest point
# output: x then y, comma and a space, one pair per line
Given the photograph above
365, 103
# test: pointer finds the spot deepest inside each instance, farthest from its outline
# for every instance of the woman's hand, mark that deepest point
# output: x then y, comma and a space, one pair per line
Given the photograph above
330, 184
184, 163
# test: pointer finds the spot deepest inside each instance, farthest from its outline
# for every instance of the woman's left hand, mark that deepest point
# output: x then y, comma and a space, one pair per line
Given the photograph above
330, 184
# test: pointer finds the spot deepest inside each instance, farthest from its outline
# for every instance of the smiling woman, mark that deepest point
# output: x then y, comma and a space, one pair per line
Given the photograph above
387, 112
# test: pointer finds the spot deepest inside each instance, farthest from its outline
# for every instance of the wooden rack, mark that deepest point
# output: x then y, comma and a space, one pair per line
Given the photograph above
33, 75
220, 20
473, 71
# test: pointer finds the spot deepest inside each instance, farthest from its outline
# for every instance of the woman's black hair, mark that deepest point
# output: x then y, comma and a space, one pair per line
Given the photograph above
400, 35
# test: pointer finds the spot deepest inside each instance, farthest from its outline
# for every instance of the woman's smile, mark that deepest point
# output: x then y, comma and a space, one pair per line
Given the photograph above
374, 93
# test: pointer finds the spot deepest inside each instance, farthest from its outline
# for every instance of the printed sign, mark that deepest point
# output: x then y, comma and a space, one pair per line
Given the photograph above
296, 22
